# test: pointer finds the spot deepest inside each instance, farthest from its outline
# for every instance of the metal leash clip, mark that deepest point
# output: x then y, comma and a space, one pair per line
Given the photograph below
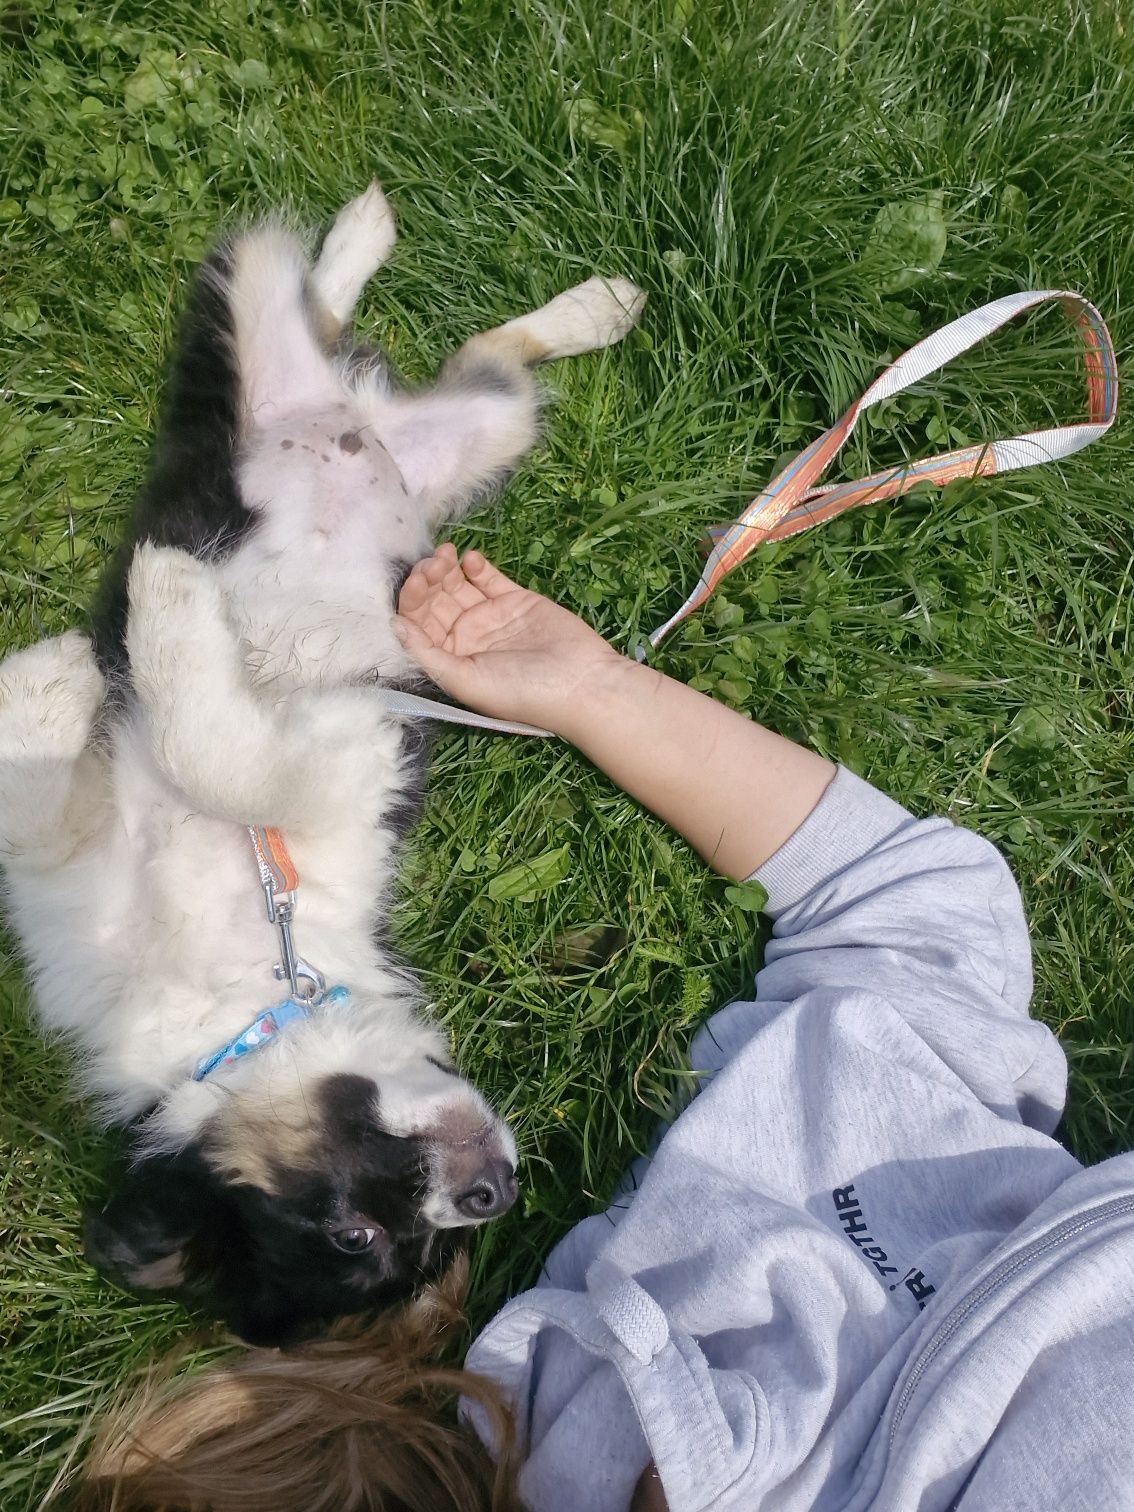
279, 881
307, 983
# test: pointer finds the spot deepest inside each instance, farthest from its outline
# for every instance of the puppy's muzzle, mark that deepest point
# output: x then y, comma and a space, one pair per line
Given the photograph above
491, 1193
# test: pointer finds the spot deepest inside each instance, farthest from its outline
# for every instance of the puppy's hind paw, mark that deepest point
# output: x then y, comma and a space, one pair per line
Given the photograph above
356, 246
614, 304
588, 317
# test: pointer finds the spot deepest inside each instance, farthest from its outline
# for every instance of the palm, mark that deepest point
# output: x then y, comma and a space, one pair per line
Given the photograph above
491, 643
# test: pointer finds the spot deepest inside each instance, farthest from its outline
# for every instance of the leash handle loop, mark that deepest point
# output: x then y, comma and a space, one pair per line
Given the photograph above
794, 501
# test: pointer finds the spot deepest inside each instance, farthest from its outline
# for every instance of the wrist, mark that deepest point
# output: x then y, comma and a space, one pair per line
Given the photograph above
599, 696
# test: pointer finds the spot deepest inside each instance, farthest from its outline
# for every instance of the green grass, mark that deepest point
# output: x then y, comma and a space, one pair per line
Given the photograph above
762, 167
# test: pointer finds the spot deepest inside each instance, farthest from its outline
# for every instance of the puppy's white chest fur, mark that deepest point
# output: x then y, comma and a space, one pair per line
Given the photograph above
151, 940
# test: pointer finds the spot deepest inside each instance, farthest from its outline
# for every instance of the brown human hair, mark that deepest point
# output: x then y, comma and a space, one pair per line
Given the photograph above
358, 1423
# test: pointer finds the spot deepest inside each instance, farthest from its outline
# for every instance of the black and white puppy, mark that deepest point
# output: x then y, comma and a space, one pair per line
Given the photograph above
230, 683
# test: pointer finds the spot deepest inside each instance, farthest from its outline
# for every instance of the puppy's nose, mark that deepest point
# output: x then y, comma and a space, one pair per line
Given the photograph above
492, 1193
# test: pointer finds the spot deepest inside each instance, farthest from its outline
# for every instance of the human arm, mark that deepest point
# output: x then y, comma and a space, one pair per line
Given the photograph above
861, 893
734, 790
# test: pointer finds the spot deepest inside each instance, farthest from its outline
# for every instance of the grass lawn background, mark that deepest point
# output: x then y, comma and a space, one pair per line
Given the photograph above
804, 190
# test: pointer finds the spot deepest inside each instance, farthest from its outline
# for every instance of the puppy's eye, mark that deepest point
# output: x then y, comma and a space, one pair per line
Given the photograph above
354, 1241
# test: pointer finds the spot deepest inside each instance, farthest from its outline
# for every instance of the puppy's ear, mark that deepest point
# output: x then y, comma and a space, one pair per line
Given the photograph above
157, 1229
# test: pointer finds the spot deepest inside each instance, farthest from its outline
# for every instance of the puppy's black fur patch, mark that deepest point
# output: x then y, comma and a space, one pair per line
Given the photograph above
416, 749
190, 498
267, 1265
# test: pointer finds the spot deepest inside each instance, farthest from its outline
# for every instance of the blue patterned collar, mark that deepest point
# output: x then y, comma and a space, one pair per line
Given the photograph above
265, 1027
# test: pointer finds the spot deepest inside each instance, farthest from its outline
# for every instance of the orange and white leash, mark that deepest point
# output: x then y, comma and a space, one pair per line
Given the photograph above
793, 501
415, 706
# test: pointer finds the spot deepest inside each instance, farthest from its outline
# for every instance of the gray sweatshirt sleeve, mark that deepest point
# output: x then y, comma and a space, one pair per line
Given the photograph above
870, 1130
926, 915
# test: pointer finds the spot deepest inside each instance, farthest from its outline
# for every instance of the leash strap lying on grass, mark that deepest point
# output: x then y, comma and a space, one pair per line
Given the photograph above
413, 706
792, 501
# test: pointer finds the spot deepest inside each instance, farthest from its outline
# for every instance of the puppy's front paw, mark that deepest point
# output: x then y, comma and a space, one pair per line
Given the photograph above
177, 633
50, 694
162, 578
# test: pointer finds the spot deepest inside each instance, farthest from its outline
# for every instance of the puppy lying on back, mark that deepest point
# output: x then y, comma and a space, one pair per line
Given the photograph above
302, 1145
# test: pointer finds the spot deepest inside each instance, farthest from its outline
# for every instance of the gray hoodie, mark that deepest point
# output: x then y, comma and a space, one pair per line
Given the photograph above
857, 1272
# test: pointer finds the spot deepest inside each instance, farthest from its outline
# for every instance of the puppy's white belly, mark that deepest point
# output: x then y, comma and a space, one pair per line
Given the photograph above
311, 587
72, 924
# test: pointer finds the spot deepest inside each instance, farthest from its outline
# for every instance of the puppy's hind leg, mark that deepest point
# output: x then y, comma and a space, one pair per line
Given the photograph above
52, 783
590, 316
356, 246
283, 369
481, 419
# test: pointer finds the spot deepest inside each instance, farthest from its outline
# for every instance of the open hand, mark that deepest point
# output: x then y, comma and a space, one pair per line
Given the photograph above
495, 646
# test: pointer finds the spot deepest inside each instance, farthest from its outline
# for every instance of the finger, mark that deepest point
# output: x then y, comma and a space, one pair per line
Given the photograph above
444, 602
414, 591
459, 590
489, 579
423, 577
420, 636
454, 577
467, 595
410, 635
443, 668
435, 567
420, 608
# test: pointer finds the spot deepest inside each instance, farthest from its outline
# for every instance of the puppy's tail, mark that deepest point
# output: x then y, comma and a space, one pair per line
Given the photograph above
358, 1424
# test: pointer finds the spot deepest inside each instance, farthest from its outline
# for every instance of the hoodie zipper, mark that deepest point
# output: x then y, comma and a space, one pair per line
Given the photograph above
1003, 1272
